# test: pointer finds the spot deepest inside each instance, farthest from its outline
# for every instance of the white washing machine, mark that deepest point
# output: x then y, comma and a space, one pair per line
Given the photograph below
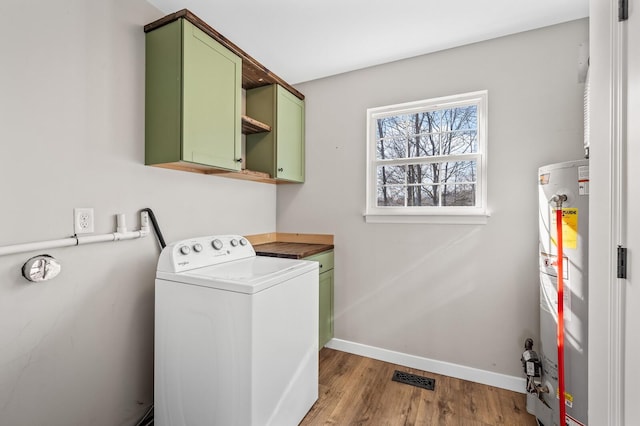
236, 335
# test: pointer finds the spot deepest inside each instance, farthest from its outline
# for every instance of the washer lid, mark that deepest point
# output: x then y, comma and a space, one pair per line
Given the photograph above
248, 276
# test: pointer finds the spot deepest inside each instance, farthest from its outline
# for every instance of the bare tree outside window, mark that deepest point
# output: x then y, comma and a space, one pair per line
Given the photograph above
426, 140
428, 159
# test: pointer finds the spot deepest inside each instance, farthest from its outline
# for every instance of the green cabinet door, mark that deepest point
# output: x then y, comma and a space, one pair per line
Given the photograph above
280, 152
290, 134
326, 308
193, 98
325, 268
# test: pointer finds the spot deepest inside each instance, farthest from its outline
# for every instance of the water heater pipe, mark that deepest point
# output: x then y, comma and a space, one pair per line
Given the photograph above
560, 269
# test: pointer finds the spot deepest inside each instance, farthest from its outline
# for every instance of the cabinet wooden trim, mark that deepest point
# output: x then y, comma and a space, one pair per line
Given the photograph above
186, 166
254, 74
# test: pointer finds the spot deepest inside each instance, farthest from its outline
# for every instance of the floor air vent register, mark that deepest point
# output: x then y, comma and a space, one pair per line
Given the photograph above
414, 380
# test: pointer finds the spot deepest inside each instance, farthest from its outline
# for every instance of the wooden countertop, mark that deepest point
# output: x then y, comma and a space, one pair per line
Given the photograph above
290, 250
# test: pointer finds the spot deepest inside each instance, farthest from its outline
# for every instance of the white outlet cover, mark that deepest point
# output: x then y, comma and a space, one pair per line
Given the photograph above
83, 220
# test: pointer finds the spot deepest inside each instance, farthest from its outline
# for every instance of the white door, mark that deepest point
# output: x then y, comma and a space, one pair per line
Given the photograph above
614, 304
632, 190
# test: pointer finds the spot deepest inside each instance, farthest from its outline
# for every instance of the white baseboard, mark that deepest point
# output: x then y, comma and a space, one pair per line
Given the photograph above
503, 381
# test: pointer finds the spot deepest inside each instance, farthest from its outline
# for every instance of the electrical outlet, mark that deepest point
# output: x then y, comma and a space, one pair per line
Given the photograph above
83, 220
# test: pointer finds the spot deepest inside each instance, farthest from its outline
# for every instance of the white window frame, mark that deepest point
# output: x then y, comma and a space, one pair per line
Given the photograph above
477, 214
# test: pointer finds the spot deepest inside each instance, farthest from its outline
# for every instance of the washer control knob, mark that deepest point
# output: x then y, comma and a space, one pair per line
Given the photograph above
234, 243
197, 247
216, 244
185, 250
243, 242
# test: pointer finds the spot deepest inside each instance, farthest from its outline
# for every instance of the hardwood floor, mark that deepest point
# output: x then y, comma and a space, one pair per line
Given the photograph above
355, 390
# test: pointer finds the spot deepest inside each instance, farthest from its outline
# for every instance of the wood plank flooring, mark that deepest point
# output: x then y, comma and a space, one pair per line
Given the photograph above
355, 390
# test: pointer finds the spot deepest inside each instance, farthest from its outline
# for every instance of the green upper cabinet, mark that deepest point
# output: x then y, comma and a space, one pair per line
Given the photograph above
193, 99
281, 151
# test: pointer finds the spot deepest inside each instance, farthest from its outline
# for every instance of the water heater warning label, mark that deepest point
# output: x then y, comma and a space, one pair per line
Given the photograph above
569, 228
568, 398
572, 422
583, 180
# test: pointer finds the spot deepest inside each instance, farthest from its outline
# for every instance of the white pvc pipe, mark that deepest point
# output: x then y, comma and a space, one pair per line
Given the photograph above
41, 245
76, 241
121, 223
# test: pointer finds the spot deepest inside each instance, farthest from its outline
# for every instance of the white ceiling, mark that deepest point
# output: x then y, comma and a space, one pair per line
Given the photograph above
301, 40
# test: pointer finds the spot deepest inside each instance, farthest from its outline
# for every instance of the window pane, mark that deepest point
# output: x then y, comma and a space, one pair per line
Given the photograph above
461, 118
426, 134
460, 142
388, 175
430, 121
391, 127
391, 148
458, 171
422, 195
459, 195
423, 173
424, 145
391, 140
414, 123
391, 196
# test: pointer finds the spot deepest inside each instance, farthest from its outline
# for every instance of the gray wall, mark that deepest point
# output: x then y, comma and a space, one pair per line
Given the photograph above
78, 350
464, 294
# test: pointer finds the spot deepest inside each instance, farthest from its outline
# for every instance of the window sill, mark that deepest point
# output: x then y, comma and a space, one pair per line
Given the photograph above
441, 219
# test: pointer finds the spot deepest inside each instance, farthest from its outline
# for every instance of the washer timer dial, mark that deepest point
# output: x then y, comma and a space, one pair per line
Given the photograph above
216, 244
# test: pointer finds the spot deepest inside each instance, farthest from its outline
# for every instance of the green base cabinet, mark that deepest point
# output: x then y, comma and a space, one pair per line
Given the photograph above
280, 152
325, 261
193, 99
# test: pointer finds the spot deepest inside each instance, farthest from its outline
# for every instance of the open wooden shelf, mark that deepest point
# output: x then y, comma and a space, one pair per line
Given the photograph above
251, 126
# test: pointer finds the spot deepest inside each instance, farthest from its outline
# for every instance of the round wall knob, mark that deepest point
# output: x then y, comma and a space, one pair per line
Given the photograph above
216, 244
41, 268
281, 169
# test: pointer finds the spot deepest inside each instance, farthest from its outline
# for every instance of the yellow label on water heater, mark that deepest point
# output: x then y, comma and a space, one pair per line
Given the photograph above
568, 398
570, 228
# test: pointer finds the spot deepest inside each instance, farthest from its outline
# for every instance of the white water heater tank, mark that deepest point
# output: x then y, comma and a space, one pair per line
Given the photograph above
571, 179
